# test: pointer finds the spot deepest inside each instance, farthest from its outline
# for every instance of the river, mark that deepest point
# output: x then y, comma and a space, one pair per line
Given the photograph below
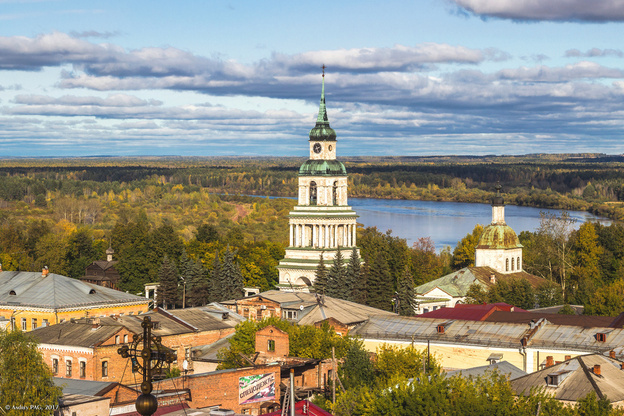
446, 222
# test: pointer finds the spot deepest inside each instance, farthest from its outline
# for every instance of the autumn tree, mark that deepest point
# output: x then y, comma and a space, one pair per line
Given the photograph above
555, 231
585, 257
25, 379
464, 253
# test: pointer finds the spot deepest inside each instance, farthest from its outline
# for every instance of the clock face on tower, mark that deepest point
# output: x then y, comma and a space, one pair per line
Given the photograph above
317, 148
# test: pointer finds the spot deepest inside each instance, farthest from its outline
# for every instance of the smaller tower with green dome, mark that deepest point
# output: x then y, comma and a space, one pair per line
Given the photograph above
499, 246
322, 221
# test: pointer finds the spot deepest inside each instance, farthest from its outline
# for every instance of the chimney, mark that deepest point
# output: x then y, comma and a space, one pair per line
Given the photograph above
567, 357
95, 323
550, 361
612, 354
492, 279
597, 369
45, 271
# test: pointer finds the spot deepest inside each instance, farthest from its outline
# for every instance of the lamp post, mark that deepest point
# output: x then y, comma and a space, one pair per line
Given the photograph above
153, 356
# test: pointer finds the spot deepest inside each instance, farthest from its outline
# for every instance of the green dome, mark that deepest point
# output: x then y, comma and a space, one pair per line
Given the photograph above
499, 236
322, 132
322, 168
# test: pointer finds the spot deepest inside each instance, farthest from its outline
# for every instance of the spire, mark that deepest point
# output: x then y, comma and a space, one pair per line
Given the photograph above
322, 131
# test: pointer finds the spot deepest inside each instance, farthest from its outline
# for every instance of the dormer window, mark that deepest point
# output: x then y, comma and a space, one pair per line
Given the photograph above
555, 379
12, 292
92, 292
602, 336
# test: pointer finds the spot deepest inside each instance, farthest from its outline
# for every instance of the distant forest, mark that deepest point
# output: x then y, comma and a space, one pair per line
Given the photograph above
64, 213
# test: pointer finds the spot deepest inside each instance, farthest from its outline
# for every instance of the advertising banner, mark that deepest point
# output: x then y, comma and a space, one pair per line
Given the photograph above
258, 388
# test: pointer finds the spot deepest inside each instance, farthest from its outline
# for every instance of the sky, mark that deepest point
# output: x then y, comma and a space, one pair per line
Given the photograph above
243, 78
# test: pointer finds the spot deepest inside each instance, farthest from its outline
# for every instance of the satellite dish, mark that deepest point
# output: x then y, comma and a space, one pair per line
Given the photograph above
185, 365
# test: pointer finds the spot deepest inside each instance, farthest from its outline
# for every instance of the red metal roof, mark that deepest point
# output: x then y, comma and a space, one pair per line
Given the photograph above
468, 312
305, 408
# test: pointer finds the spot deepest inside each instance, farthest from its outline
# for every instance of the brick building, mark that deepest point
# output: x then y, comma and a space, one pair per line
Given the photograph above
87, 348
30, 300
304, 309
250, 390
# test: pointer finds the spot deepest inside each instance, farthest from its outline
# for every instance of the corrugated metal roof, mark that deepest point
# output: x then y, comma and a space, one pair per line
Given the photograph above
503, 367
88, 387
57, 292
579, 379
483, 333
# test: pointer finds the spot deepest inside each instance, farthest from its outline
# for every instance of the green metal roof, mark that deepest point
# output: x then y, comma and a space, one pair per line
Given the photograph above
322, 131
499, 236
322, 167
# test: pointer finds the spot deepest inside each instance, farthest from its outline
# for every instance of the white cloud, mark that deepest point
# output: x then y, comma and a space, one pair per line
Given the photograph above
555, 10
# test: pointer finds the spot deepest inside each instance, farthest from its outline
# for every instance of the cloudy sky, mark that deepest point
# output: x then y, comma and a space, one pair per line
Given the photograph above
212, 78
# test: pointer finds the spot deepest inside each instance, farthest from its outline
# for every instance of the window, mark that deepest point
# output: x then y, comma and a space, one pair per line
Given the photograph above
45, 322
68, 368
512, 264
335, 194
55, 366
126, 339
116, 339
271, 346
104, 368
506, 265
24, 328
83, 369
33, 323
518, 263
313, 193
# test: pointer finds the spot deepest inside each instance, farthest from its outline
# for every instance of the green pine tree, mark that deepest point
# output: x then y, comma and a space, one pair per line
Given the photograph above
360, 289
380, 284
320, 277
352, 276
197, 289
167, 294
335, 278
231, 277
216, 291
405, 293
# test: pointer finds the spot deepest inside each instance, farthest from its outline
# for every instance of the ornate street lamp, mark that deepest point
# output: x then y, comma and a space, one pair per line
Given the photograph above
153, 355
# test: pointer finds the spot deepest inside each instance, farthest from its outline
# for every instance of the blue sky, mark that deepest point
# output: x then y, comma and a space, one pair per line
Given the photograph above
215, 78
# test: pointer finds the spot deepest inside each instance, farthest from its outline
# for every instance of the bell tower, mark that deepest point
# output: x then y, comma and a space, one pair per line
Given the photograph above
321, 221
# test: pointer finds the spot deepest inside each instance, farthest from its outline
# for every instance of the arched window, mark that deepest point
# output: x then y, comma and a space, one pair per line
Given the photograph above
512, 264
335, 193
518, 263
506, 265
312, 193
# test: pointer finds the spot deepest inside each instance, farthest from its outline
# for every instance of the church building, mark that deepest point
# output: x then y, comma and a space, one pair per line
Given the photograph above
321, 222
498, 256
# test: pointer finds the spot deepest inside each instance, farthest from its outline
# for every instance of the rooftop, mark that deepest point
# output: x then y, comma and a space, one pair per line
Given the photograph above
573, 379
55, 291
